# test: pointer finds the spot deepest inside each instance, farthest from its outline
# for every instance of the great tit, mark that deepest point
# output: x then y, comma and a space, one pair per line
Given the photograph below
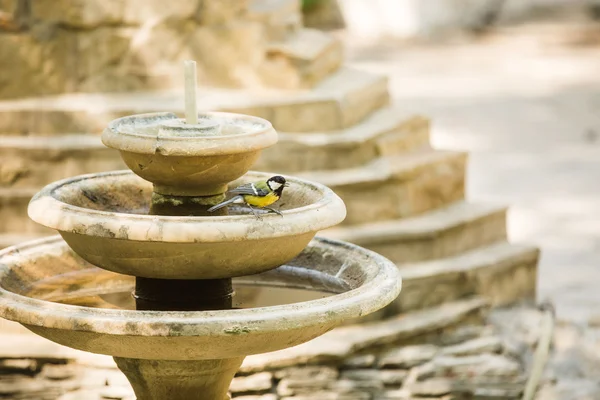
259, 194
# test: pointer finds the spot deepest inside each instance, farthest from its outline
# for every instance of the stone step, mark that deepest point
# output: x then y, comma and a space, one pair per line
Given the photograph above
278, 17
386, 132
387, 188
397, 186
342, 100
302, 59
339, 344
446, 232
10, 239
13, 212
33, 161
502, 273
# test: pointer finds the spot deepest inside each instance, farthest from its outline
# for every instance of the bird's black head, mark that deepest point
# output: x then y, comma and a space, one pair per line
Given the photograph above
277, 183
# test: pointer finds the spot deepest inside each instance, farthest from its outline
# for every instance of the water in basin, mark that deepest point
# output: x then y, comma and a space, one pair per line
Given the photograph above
81, 288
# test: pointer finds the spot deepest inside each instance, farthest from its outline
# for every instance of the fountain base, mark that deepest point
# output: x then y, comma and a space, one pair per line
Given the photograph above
179, 380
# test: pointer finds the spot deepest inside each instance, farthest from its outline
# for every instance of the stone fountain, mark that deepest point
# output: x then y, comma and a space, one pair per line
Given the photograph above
145, 274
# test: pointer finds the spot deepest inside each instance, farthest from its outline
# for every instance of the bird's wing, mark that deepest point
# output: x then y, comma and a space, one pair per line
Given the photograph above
250, 189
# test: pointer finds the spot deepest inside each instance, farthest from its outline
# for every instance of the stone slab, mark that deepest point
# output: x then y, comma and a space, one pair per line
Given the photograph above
342, 100
335, 346
306, 55
386, 132
445, 232
13, 213
398, 186
33, 161
387, 188
503, 273
10, 239
87, 14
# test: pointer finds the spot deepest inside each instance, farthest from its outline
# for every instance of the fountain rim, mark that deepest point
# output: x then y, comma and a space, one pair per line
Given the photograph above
371, 296
190, 146
47, 210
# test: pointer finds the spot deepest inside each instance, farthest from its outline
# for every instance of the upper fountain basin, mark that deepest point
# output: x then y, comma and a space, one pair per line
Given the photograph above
189, 160
104, 219
36, 274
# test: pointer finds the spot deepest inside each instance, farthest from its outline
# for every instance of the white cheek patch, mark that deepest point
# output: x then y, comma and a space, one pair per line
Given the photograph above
275, 185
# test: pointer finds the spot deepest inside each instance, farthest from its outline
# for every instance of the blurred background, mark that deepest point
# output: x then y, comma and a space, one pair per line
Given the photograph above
515, 84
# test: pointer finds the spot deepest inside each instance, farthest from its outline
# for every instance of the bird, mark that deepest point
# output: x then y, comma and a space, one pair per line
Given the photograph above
260, 194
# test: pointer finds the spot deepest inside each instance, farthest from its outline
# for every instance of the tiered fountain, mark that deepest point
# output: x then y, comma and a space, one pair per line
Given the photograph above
188, 326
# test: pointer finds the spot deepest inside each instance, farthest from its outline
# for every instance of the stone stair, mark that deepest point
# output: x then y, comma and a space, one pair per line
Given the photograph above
438, 234
340, 101
405, 200
302, 59
280, 18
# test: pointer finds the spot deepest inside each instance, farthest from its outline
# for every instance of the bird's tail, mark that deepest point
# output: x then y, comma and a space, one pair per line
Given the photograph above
225, 203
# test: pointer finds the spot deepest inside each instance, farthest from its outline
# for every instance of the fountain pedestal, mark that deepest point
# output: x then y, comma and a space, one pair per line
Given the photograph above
179, 380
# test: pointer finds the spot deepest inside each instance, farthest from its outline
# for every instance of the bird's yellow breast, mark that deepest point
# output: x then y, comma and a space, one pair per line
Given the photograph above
261, 201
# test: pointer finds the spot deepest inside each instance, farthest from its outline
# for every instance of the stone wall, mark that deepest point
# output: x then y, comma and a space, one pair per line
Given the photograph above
58, 46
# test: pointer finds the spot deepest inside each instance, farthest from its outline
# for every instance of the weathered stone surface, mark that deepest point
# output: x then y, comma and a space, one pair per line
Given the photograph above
400, 394
464, 333
303, 58
431, 388
16, 366
13, 212
295, 387
320, 350
115, 393
37, 65
13, 16
478, 366
503, 273
407, 356
221, 12
386, 377
257, 383
94, 13
33, 347
280, 18
299, 386
20, 386
35, 162
405, 185
59, 372
268, 396
140, 12
326, 395
78, 13
359, 361
386, 132
441, 233
488, 344
338, 344
353, 386
318, 110
317, 372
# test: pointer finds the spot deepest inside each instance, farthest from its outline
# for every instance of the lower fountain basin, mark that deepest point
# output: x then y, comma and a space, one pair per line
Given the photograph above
104, 219
36, 276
